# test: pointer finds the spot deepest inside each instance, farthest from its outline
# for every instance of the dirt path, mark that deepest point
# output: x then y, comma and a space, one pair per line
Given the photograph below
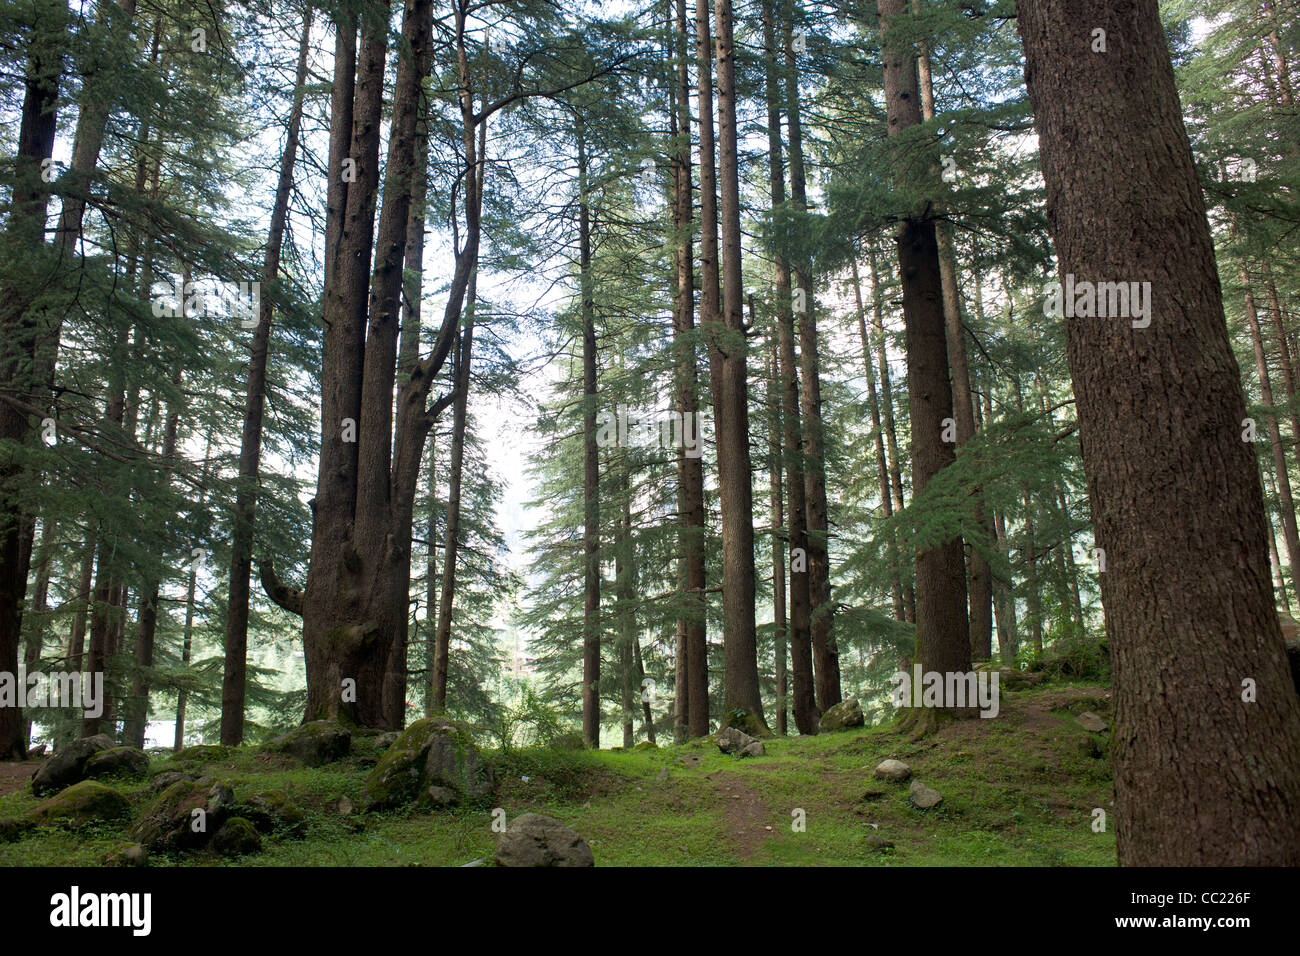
748, 818
15, 776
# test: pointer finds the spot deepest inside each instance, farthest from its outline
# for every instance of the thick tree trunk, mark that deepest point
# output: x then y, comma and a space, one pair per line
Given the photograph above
1160, 409
234, 679
942, 628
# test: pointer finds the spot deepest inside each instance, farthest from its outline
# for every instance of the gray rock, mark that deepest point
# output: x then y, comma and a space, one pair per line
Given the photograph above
315, 743
1091, 722
170, 823
879, 843
68, 765
842, 716
435, 762
754, 748
923, 797
128, 854
536, 840
731, 740
129, 762
892, 769
162, 781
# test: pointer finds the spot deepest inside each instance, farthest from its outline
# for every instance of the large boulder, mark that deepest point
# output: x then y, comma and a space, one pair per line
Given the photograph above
171, 823
842, 716
533, 839
314, 743
433, 762
80, 804
129, 762
68, 764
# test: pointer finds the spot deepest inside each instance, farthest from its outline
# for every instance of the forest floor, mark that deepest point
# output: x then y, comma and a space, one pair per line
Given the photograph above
1018, 789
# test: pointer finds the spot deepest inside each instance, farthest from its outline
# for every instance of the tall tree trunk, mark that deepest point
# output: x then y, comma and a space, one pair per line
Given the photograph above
460, 414
1286, 503
882, 463
803, 696
942, 628
742, 701
887, 408
19, 334
187, 634
977, 565
1186, 627
826, 663
234, 679
780, 636
691, 715
591, 627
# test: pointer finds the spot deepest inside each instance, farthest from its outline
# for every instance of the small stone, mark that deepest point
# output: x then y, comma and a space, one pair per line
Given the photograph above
345, 806
1092, 722
892, 769
879, 843
923, 797
128, 854
753, 749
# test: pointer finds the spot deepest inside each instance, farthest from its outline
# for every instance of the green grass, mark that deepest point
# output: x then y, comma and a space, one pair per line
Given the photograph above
1018, 790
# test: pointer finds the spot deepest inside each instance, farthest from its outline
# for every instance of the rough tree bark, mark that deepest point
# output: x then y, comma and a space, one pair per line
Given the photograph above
1176, 500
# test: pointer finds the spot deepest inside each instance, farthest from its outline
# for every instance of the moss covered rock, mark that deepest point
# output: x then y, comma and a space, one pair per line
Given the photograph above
237, 837
128, 762
315, 743
842, 716
271, 810
68, 765
80, 804
184, 816
12, 829
434, 762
